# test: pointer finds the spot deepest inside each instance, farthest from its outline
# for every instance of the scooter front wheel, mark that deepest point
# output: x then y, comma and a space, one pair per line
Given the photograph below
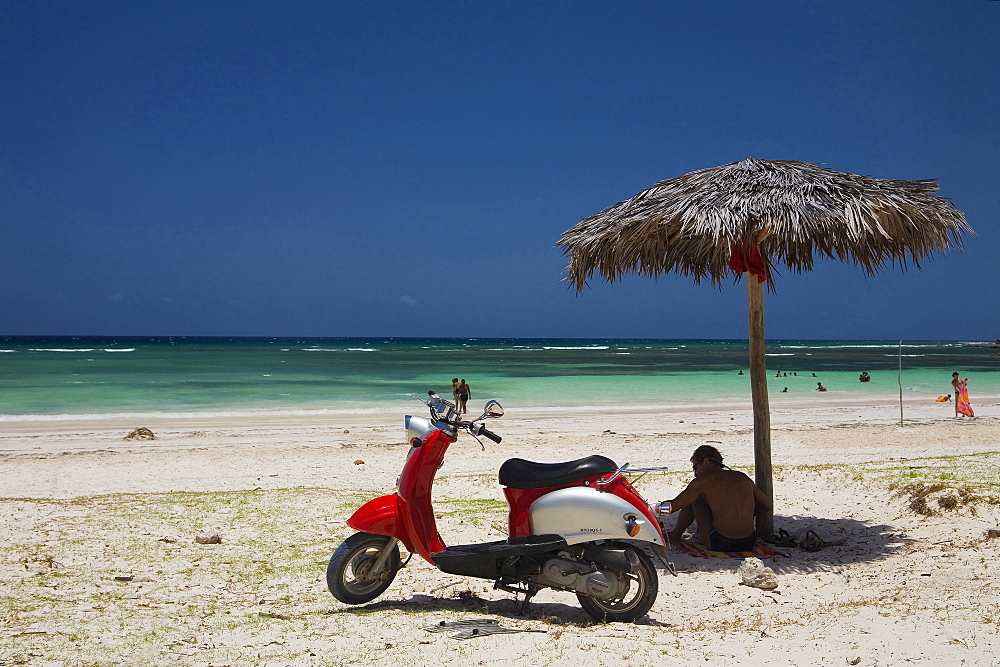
640, 585
351, 577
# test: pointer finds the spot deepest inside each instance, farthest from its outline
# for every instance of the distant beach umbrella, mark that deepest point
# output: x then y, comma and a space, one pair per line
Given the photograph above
750, 216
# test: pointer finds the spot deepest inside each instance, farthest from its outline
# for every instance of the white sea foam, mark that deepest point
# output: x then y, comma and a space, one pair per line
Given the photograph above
582, 347
872, 346
121, 349
59, 349
213, 414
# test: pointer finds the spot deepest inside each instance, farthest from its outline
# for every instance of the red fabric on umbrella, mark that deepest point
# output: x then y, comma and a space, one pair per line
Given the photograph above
747, 261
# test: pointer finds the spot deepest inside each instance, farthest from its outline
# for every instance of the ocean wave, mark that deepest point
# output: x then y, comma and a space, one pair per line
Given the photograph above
77, 349
212, 414
779, 354
875, 346
531, 348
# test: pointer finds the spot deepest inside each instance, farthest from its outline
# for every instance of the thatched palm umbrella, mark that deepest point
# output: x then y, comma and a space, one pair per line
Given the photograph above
749, 216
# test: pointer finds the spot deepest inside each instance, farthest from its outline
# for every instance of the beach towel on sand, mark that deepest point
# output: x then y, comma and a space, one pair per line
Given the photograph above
762, 550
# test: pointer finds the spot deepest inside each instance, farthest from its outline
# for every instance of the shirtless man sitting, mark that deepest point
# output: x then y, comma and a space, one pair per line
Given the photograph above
724, 502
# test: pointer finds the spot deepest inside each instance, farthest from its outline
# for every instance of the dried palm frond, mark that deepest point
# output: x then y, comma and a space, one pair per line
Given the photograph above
794, 211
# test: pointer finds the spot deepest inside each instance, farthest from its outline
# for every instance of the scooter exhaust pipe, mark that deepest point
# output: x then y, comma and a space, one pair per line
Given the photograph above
614, 559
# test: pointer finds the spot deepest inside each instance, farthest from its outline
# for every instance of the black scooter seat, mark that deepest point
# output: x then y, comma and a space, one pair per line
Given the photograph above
521, 474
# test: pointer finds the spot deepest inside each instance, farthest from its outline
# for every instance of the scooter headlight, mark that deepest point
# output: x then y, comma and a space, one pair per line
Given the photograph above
418, 427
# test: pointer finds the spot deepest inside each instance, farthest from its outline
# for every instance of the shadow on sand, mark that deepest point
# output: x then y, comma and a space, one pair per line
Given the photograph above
466, 601
846, 541
858, 542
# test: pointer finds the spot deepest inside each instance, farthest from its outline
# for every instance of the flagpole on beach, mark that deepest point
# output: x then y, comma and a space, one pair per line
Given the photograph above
899, 379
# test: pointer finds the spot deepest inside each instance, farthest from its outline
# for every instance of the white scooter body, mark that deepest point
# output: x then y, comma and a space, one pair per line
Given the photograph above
584, 514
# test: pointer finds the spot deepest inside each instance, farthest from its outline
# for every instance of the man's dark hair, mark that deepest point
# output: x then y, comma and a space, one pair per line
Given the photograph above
707, 453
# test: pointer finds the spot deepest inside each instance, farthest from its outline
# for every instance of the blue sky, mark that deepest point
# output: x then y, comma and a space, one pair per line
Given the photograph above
405, 168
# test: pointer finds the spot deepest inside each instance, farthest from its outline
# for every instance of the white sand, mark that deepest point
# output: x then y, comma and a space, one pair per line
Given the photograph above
79, 506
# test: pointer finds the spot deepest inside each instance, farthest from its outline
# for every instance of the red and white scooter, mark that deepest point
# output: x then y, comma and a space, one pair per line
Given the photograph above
573, 526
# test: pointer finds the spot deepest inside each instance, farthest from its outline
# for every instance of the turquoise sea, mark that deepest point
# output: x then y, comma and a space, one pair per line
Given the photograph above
44, 378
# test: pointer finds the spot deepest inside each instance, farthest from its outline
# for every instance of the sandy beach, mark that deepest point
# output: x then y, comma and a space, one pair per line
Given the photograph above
101, 564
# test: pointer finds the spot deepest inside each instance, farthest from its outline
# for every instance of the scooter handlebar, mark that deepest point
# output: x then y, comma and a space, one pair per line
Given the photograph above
489, 434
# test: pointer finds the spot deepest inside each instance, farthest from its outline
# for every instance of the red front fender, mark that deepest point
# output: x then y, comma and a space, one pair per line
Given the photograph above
381, 516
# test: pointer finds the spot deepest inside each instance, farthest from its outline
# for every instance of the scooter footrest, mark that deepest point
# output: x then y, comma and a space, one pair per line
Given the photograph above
483, 560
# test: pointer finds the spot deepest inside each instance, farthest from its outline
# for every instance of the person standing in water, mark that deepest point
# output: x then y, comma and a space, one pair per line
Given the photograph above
464, 394
962, 405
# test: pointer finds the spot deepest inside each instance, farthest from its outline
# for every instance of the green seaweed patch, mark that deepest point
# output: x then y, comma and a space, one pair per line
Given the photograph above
931, 498
939, 484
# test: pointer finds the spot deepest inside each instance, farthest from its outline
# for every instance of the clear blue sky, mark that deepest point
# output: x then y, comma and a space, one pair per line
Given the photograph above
405, 168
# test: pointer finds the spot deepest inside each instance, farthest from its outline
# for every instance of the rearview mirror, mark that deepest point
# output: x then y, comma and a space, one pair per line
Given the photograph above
492, 410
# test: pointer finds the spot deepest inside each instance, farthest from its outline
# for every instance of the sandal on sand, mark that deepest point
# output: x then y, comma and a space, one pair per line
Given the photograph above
784, 539
812, 542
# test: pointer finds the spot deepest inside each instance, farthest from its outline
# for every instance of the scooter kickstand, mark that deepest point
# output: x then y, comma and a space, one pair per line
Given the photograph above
528, 594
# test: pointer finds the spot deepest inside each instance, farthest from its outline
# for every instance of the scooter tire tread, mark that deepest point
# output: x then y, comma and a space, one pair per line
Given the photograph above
351, 590
648, 579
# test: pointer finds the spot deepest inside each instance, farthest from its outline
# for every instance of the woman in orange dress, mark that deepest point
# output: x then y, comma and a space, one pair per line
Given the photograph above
962, 405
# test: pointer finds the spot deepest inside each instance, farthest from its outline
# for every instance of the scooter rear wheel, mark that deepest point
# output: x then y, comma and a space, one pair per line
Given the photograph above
639, 597
350, 577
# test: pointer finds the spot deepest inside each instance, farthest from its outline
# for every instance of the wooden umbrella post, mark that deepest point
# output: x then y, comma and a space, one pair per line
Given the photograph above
761, 409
